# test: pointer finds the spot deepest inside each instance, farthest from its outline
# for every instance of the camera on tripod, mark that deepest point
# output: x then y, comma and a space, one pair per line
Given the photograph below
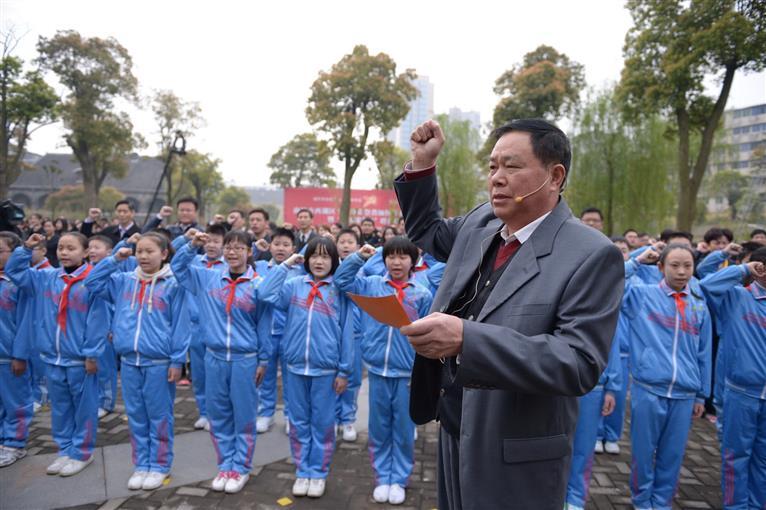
11, 215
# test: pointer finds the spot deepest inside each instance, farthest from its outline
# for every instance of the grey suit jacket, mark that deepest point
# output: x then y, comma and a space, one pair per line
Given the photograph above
541, 340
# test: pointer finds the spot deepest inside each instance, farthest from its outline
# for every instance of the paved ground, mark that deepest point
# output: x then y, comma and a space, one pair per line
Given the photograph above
350, 483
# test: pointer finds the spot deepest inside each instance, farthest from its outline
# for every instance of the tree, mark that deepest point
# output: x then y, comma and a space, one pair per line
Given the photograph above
360, 95
670, 50
96, 72
623, 169
70, 200
303, 161
390, 161
233, 197
731, 185
200, 172
460, 180
547, 84
27, 103
174, 116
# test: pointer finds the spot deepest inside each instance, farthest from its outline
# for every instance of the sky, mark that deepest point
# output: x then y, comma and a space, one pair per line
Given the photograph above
250, 65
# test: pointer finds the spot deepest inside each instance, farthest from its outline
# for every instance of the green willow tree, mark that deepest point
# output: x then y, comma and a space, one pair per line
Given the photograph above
673, 46
27, 103
201, 174
360, 97
96, 72
303, 161
460, 180
390, 160
626, 170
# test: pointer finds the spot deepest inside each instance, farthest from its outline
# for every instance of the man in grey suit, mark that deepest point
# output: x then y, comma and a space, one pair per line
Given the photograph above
522, 323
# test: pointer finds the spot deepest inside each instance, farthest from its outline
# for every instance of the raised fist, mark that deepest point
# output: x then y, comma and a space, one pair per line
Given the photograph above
295, 258
123, 254
189, 234
134, 238
366, 251
200, 238
757, 269
426, 143
733, 249
94, 213
34, 240
262, 245
648, 257
166, 211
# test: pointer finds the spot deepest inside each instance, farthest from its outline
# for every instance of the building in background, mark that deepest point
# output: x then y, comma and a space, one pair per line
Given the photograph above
421, 109
471, 116
742, 147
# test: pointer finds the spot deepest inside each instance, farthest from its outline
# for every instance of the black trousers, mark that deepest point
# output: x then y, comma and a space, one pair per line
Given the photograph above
448, 480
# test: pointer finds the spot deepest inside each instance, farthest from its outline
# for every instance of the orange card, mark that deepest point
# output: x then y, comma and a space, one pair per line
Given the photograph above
387, 309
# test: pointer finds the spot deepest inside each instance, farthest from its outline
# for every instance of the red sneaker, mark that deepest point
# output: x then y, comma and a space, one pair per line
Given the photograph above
184, 382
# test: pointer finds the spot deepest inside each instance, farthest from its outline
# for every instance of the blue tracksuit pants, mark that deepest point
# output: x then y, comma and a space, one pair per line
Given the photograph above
391, 430
15, 407
74, 410
37, 372
312, 423
582, 450
347, 401
658, 431
267, 391
232, 400
107, 377
743, 474
149, 401
610, 427
197, 360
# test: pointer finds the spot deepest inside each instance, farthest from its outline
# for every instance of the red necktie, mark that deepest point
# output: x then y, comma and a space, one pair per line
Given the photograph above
44, 265
399, 286
69, 280
212, 263
681, 307
232, 289
314, 292
505, 252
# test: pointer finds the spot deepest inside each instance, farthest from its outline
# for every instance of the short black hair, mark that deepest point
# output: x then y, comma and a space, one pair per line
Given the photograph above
311, 214
348, 231
242, 236
189, 200
216, 229
672, 247
238, 211
11, 239
592, 210
714, 233
369, 220
549, 143
748, 247
319, 244
283, 232
125, 202
618, 239
668, 234
759, 255
728, 233
77, 235
400, 245
757, 231
163, 231
260, 210
104, 239
629, 230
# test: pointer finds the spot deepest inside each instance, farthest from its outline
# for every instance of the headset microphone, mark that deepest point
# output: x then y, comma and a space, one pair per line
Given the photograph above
520, 199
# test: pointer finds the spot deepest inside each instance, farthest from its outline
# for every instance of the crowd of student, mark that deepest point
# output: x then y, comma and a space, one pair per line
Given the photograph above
245, 301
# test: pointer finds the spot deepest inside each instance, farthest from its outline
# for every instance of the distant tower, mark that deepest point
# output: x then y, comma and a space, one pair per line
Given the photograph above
421, 109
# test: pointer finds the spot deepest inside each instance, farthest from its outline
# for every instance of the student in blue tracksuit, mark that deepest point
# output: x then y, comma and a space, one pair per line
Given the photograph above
99, 248
345, 414
389, 357
317, 347
16, 403
282, 246
719, 259
237, 347
428, 271
740, 313
670, 363
611, 425
74, 328
30, 324
150, 335
598, 403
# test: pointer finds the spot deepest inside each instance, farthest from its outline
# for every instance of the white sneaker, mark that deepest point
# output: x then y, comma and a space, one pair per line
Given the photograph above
235, 482
301, 487
599, 447
153, 481
316, 488
397, 494
10, 455
380, 494
287, 427
415, 435
201, 423
36, 407
102, 412
219, 482
136, 480
57, 465
263, 424
612, 447
570, 506
74, 466
349, 433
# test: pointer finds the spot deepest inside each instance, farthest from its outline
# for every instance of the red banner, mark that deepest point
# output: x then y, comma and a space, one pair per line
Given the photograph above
380, 205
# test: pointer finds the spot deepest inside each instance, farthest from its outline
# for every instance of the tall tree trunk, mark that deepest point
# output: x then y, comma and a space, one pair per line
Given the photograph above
686, 201
345, 203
